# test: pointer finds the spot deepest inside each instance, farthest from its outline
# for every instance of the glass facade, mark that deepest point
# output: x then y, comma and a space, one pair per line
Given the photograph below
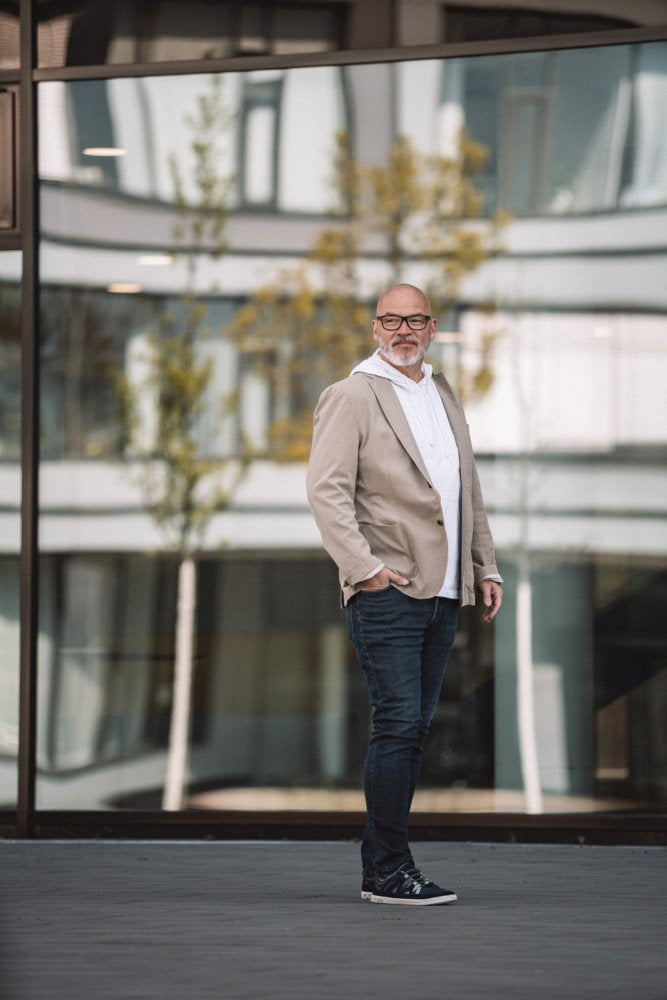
193, 214
211, 247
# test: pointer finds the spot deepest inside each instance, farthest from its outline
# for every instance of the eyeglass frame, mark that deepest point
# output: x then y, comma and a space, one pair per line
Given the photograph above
406, 320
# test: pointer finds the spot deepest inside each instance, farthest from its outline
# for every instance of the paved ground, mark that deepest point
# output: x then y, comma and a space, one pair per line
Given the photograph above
183, 921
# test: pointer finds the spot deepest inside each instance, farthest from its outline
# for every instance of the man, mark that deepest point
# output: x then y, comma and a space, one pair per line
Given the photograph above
394, 490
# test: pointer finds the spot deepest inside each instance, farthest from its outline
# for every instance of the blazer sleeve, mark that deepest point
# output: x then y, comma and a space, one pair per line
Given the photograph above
483, 549
331, 484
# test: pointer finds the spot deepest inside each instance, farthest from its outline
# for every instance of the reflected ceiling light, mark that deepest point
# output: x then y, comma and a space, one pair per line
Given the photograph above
155, 259
442, 337
124, 287
104, 151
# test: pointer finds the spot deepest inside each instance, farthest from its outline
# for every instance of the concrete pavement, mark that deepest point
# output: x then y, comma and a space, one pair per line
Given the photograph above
253, 920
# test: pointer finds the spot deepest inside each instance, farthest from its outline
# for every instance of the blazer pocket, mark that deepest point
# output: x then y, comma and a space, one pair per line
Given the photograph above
389, 543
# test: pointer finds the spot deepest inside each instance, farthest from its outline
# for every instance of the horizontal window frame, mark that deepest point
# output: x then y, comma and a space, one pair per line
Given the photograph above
618, 828
349, 57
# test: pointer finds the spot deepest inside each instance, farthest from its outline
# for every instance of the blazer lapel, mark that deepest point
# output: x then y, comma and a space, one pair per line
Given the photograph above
457, 422
393, 411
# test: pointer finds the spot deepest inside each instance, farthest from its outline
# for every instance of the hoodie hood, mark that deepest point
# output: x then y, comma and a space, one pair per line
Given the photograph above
376, 365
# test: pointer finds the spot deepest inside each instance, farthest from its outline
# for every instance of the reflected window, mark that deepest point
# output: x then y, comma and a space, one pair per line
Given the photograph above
629, 679
10, 372
107, 645
545, 160
94, 32
477, 24
10, 588
94, 141
83, 345
8, 160
10, 524
260, 110
9, 40
645, 164
262, 139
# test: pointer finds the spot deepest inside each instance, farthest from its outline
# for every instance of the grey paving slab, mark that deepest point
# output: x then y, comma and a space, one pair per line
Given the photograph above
179, 921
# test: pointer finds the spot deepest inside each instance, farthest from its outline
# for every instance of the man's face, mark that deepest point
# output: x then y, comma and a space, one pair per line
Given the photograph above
403, 347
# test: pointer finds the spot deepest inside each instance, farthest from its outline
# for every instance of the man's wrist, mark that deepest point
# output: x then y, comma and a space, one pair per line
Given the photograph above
370, 576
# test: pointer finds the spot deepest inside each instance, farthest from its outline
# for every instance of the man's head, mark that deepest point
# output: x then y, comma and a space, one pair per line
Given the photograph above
403, 326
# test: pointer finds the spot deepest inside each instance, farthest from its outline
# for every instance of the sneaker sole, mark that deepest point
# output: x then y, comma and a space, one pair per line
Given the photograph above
366, 896
436, 901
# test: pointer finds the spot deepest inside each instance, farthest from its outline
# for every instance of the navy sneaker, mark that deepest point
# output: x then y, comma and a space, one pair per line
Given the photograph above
367, 885
409, 887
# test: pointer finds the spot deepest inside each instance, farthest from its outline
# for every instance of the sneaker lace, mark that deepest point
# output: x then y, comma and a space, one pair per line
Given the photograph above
415, 875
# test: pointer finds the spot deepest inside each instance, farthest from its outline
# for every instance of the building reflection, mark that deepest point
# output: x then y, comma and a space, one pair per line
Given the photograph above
570, 430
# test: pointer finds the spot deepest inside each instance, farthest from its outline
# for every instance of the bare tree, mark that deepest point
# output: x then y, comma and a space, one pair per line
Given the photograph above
162, 401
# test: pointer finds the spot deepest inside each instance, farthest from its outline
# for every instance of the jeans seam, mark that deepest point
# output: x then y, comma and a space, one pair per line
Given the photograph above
370, 753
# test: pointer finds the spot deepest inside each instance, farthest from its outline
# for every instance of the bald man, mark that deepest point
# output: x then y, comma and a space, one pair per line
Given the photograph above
393, 487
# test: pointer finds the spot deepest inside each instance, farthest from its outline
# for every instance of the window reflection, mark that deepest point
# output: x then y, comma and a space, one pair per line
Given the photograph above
555, 336
94, 33
548, 160
10, 370
9, 40
129, 135
91, 32
465, 25
259, 152
8, 160
10, 531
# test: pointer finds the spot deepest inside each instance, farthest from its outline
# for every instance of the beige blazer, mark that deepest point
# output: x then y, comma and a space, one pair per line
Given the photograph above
371, 496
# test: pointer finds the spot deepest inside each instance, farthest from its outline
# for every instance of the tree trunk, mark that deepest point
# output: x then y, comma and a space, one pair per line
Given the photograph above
525, 689
179, 730
525, 668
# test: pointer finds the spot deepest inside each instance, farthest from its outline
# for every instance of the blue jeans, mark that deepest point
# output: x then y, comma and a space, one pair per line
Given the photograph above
403, 645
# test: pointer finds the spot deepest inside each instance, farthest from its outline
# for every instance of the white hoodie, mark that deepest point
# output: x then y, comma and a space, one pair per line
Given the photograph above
427, 417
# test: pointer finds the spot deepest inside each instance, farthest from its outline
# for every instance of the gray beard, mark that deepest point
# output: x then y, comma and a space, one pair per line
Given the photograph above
405, 362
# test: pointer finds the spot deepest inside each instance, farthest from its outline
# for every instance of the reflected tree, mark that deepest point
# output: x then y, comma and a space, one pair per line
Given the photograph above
162, 401
423, 211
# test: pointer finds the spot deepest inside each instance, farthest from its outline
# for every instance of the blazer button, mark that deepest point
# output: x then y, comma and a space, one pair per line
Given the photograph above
440, 521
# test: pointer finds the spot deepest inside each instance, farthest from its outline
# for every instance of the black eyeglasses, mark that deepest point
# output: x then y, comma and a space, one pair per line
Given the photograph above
390, 321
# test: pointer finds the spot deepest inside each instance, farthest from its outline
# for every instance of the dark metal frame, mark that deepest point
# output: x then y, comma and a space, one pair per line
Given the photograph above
352, 57
29, 228
595, 828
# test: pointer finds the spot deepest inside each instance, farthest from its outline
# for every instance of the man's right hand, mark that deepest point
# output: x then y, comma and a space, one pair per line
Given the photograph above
383, 579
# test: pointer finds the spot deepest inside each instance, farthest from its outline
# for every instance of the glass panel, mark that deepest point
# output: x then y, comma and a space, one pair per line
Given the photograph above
10, 527
466, 24
9, 37
90, 33
212, 248
8, 160
544, 160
